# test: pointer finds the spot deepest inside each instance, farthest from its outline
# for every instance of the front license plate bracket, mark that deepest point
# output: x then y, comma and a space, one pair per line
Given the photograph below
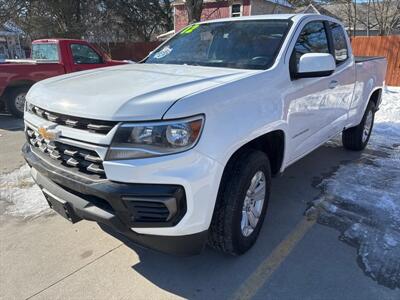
63, 208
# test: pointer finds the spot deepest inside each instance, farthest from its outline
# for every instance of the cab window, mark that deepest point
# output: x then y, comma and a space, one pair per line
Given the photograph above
312, 39
83, 54
339, 43
48, 52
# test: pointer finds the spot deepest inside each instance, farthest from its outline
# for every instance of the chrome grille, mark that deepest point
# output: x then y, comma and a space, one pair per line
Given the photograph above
71, 157
97, 126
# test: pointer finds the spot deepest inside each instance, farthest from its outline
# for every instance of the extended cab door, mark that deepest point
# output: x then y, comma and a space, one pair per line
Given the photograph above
84, 57
317, 107
343, 79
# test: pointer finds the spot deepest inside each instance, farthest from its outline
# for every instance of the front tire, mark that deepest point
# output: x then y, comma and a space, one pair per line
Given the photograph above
356, 138
15, 100
241, 203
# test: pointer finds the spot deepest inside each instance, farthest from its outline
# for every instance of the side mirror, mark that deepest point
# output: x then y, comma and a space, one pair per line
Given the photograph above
315, 65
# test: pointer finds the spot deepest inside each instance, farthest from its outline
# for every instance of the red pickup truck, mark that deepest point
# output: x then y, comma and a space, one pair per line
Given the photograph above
50, 57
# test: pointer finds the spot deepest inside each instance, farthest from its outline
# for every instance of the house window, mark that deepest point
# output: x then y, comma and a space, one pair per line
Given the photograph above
236, 10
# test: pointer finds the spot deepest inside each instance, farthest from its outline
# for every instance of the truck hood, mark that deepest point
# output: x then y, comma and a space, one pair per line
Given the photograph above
127, 92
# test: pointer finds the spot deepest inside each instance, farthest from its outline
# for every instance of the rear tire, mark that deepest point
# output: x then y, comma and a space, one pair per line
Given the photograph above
15, 100
356, 138
240, 196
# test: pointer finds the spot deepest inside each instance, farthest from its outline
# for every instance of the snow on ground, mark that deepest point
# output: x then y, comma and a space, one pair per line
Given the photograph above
21, 195
362, 198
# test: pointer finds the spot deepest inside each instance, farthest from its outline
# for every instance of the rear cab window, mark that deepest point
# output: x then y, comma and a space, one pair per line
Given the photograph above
83, 54
45, 52
339, 43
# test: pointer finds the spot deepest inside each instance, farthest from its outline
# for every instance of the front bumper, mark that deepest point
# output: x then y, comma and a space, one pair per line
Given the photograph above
107, 203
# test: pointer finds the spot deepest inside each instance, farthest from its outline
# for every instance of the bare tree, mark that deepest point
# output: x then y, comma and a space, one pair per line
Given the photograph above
141, 19
382, 15
368, 16
194, 9
300, 3
102, 20
51, 18
387, 14
10, 8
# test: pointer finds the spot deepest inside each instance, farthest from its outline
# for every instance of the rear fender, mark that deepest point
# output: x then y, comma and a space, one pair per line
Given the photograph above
17, 83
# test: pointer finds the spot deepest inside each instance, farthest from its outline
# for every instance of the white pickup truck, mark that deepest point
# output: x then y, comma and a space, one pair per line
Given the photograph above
179, 150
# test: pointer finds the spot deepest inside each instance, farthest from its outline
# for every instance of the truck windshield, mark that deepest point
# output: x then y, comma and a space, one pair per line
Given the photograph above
251, 44
45, 52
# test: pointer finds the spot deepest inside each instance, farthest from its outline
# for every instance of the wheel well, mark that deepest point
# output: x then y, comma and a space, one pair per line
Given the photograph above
18, 83
272, 144
376, 96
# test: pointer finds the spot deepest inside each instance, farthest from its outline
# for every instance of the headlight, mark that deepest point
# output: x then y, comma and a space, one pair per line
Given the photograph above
28, 106
140, 140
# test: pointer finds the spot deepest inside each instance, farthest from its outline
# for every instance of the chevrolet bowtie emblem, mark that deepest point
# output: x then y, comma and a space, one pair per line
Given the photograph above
48, 133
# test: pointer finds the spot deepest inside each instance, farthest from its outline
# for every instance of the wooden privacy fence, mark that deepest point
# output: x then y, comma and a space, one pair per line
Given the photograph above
388, 46
131, 50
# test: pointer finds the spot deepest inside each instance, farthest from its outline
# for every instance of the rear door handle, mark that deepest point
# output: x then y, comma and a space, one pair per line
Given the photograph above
333, 84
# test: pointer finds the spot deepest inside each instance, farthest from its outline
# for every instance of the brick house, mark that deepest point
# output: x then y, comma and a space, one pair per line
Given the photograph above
216, 9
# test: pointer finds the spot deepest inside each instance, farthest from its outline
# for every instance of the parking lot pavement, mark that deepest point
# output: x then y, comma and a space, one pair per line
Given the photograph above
47, 258
11, 137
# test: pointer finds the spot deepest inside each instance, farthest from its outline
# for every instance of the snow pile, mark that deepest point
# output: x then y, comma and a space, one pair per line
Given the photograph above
21, 195
362, 198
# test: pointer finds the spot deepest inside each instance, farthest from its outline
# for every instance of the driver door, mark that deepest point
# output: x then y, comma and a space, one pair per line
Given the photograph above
84, 57
308, 100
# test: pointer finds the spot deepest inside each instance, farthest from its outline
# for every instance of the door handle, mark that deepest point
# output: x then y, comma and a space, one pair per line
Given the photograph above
333, 84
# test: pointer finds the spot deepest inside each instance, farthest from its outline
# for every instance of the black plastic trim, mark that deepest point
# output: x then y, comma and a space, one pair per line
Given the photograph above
312, 74
360, 59
109, 195
183, 245
113, 221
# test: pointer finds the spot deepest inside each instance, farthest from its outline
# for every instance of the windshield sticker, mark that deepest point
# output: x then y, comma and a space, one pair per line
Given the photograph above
190, 29
163, 52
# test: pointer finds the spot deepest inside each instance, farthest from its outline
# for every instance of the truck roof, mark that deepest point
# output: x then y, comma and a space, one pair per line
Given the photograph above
295, 17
